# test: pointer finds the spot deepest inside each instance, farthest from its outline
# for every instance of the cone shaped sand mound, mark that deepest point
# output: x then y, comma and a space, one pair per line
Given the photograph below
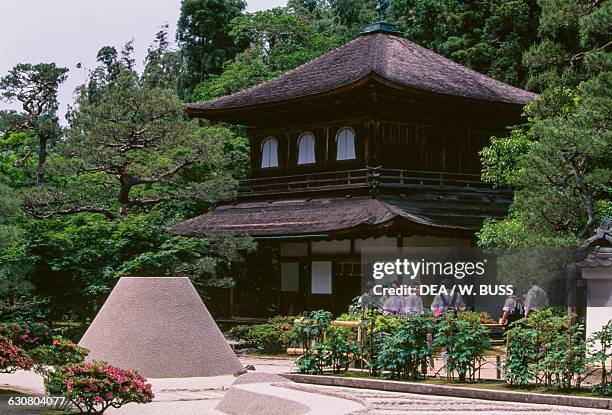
161, 327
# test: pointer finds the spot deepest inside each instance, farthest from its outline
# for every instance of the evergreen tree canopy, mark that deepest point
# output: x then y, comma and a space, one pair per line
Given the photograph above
204, 40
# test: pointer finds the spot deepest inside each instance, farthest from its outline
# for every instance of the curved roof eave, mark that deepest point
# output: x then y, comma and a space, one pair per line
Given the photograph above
196, 111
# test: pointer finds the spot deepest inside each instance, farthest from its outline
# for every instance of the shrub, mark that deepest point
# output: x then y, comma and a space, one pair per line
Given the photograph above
334, 346
60, 352
465, 340
406, 351
96, 386
312, 327
543, 348
340, 347
600, 350
312, 361
12, 357
272, 337
387, 324
27, 335
522, 352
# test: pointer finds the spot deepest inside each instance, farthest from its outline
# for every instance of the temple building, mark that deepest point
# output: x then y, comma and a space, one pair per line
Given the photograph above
374, 143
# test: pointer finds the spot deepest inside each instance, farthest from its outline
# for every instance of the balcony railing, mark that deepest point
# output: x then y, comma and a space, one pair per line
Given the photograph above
372, 178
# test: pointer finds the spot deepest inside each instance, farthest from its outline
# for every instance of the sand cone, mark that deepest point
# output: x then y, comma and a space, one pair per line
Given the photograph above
161, 327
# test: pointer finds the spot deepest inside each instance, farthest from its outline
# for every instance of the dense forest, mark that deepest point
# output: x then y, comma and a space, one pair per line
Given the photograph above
87, 201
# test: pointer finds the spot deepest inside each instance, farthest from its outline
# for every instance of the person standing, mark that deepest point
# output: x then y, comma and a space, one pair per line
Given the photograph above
451, 300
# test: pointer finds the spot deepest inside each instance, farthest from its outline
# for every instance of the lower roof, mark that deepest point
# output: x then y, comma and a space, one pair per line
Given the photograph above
335, 216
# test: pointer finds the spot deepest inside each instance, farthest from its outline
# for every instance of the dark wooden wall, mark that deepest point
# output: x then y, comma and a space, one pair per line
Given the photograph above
394, 129
395, 145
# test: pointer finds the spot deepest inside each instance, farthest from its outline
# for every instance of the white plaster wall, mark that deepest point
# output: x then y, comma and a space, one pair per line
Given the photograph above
382, 242
599, 303
434, 241
342, 246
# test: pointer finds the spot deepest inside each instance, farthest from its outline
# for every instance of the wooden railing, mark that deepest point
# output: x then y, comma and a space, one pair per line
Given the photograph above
369, 177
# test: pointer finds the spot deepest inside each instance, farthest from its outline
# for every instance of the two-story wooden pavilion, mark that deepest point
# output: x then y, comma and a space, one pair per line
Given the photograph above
372, 144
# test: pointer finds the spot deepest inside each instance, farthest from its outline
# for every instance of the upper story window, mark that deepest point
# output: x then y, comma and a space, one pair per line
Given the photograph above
345, 144
269, 153
306, 149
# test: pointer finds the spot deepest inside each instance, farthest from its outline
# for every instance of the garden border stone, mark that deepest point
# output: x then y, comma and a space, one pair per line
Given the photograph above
454, 391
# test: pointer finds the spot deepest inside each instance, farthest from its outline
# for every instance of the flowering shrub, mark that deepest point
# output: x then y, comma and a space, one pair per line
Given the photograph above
12, 357
26, 335
94, 387
60, 352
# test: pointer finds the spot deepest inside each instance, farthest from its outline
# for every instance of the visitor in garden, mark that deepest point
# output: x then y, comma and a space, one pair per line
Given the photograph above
535, 299
512, 310
414, 302
369, 299
444, 302
394, 304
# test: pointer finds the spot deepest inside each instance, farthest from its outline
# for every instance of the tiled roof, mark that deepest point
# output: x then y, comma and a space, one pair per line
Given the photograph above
329, 215
597, 250
387, 56
599, 257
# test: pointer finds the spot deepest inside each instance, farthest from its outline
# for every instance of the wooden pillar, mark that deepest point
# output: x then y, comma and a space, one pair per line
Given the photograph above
288, 155
326, 155
572, 280
372, 144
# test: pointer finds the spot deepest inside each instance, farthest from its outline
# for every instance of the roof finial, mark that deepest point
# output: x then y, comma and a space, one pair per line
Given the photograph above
381, 7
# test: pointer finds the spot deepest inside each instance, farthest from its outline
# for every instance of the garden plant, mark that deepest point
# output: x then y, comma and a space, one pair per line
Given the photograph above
272, 337
12, 357
404, 353
94, 387
466, 341
600, 353
545, 349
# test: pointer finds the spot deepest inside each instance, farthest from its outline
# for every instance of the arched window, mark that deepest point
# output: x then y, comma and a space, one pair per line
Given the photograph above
269, 153
345, 144
306, 149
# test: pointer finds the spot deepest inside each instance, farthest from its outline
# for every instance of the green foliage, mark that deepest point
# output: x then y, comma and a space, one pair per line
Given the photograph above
280, 39
204, 39
312, 327
162, 64
75, 261
312, 361
406, 351
334, 346
599, 346
133, 149
340, 347
247, 70
465, 340
387, 323
560, 169
544, 348
27, 335
270, 338
488, 36
59, 353
35, 88
500, 160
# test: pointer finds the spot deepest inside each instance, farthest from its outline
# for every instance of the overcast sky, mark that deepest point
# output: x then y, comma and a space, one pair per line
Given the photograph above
71, 31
